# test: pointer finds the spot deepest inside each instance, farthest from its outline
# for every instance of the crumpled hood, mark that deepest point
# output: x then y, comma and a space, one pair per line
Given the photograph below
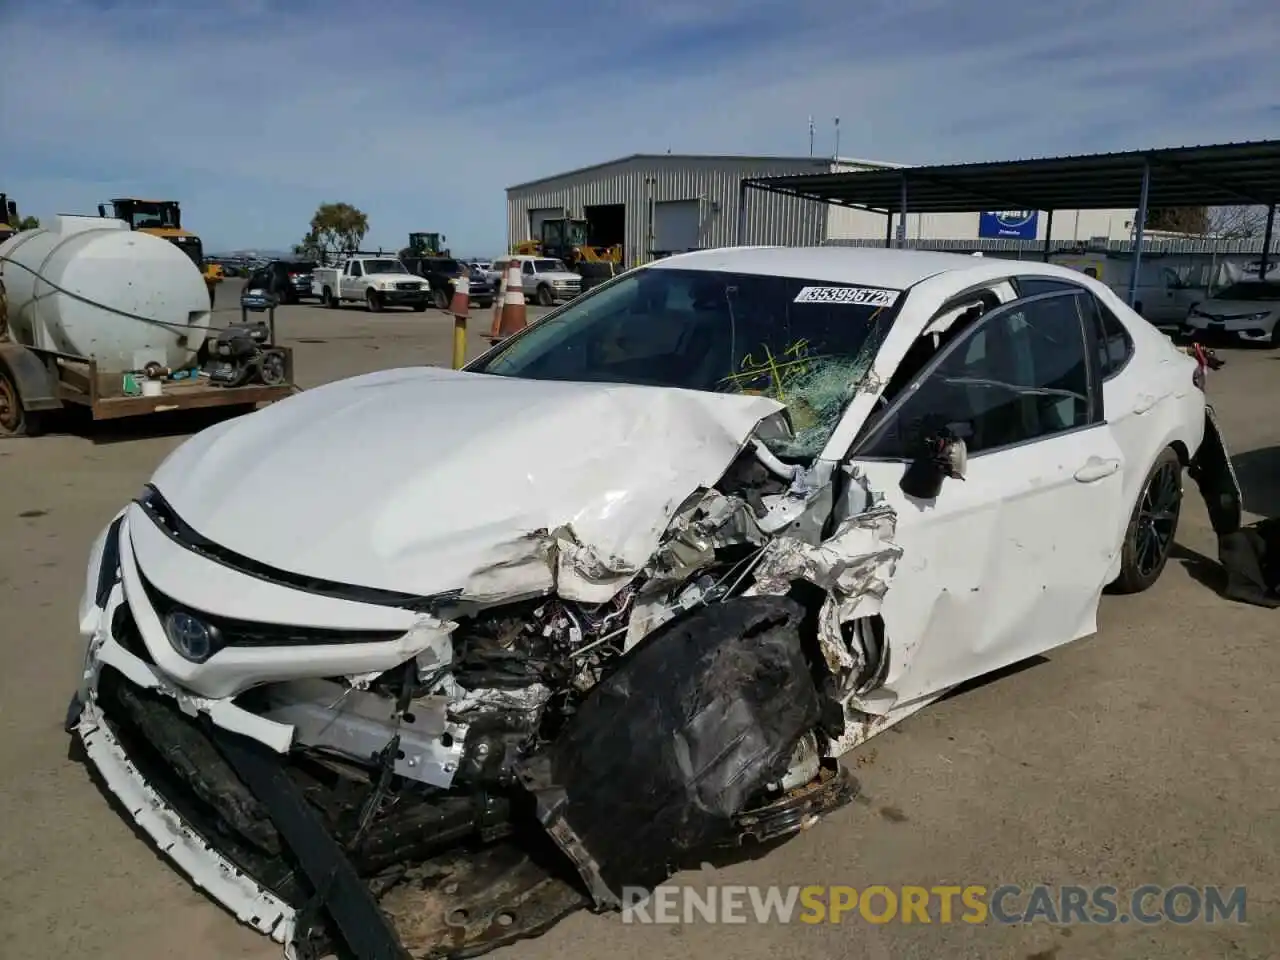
425, 480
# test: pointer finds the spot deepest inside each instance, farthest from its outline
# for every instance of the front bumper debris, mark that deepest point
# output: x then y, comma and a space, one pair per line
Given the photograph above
223, 880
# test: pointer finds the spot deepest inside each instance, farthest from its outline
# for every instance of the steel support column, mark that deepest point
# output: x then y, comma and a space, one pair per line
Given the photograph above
742, 212
1267, 234
888, 228
902, 216
1048, 237
1139, 231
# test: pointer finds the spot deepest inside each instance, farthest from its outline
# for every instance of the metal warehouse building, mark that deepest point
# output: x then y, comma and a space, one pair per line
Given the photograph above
656, 204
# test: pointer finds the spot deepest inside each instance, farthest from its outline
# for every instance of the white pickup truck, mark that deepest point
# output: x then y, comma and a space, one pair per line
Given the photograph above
377, 282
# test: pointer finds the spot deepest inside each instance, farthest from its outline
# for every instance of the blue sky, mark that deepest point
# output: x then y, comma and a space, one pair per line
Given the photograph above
420, 112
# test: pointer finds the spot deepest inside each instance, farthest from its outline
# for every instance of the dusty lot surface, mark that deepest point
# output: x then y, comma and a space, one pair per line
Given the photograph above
1147, 754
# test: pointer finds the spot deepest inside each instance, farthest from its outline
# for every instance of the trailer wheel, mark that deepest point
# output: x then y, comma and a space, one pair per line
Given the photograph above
14, 421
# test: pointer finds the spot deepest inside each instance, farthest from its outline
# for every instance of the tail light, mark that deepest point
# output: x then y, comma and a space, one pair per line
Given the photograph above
1206, 359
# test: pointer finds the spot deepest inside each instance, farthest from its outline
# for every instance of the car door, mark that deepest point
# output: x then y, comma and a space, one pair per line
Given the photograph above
1009, 561
351, 279
527, 278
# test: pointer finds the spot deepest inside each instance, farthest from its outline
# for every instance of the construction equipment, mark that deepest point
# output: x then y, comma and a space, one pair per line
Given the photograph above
565, 238
163, 218
119, 322
8, 218
425, 245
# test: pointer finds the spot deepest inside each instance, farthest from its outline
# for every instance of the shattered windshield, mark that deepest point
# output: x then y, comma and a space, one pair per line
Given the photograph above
806, 343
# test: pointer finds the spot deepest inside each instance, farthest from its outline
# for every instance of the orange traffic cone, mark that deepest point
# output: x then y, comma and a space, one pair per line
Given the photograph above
460, 307
513, 318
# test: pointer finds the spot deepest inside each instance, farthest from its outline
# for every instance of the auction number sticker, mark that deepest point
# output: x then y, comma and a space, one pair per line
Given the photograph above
857, 296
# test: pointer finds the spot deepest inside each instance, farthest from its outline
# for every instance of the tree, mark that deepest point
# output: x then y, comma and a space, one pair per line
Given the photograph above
335, 227
1189, 220
1226, 223
24, 223
1238, 223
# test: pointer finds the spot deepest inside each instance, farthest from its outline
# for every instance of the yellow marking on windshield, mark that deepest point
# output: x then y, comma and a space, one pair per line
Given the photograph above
778, 370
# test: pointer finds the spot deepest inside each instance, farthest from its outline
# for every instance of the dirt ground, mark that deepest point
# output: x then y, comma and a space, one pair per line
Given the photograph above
1149, 753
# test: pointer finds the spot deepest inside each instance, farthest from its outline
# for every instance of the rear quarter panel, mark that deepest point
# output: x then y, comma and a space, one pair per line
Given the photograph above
1152, 403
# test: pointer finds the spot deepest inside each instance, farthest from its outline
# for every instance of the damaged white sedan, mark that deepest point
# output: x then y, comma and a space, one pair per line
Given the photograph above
420, 661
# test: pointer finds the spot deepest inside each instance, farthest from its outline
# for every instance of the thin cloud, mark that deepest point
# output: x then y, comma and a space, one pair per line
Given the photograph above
254, 112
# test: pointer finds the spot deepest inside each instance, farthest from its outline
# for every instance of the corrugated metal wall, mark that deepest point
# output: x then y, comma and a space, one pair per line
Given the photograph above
715, 181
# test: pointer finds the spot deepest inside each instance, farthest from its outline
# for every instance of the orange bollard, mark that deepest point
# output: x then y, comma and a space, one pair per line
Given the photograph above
513, 318
460, 307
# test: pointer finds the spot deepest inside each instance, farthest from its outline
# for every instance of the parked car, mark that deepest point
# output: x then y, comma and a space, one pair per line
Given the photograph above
258, 292
289, 281
547, 281
441, 272
627, 585
374, 280
1248, 310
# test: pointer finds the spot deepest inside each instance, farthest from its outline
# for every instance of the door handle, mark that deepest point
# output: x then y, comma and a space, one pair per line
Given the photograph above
1095, 469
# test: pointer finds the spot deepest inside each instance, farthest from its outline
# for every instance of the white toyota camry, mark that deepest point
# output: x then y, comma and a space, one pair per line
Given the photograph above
422, 660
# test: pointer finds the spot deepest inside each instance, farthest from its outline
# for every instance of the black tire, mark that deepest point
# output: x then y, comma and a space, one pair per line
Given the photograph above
545, 297
329, 300
1153, 524
14, 420
372, 302
440, 299
1275, 335
419, 308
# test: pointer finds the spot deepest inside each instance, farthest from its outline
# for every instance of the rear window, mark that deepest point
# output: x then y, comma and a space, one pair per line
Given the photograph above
302, 266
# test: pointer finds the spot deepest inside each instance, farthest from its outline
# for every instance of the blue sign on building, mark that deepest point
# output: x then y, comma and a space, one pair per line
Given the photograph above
1008, 224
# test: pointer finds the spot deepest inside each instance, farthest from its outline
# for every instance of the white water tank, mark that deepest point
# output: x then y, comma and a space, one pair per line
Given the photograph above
91, 287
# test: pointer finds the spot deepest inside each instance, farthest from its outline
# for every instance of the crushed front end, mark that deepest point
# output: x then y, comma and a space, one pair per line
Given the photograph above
434, 776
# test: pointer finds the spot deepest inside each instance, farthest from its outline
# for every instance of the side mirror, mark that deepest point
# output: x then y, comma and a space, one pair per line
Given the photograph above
102, 209
944, 455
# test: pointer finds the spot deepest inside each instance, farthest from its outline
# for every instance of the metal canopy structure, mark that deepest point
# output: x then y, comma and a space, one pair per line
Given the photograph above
1219, 175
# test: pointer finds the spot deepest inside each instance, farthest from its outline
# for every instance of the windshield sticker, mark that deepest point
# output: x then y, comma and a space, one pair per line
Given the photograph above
856, 296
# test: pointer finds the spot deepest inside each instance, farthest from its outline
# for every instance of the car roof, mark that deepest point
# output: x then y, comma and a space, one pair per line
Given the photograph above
875, 266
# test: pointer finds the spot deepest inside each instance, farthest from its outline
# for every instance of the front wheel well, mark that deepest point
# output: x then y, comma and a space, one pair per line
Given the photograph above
1180, 448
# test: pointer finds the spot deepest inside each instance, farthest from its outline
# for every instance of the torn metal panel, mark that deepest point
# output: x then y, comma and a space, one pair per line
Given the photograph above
358, 725
857, 560
854, 566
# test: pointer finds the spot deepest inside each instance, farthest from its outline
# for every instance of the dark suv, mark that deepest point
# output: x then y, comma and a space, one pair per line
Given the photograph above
440, 272
289, 281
